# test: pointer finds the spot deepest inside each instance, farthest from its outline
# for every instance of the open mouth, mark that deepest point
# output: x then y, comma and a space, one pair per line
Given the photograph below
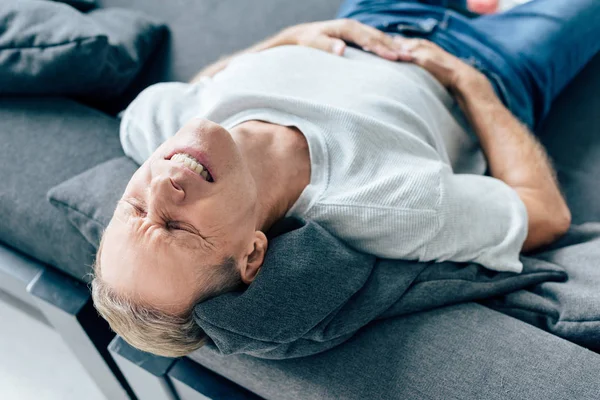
193, 164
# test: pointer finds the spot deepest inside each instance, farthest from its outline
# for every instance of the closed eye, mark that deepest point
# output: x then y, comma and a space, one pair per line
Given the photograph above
180, 226
139, 210
131, 208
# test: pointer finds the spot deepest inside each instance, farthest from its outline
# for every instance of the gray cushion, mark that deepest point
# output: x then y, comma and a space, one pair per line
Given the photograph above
569, 309
89, 199
304, 302
51, 48
465, 352
44, 142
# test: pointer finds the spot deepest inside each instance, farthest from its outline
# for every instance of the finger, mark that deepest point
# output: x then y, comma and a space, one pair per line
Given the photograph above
409, 44
367, 37
410, 49
329, 44
430, 60
384, 52
419, 55
406, 56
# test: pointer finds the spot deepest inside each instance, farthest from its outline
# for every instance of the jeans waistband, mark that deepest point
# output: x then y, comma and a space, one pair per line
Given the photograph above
452, 31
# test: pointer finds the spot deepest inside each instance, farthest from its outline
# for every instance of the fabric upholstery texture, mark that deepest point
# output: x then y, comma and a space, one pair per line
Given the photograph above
306, 301
459, 352
51, 48
89, 199
44, 142
569, 309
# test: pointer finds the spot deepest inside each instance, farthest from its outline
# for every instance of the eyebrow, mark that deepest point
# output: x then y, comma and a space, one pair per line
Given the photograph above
179, 239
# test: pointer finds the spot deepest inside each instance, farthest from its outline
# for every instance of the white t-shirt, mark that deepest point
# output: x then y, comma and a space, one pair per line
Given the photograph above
395, 171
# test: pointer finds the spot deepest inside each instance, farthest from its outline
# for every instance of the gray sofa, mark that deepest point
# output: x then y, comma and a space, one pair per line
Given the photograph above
466, 351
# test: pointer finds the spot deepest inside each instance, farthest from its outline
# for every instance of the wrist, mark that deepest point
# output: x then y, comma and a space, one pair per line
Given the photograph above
470, 81
473, 86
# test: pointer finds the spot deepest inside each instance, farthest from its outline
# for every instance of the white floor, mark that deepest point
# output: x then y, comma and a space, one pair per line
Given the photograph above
36, 364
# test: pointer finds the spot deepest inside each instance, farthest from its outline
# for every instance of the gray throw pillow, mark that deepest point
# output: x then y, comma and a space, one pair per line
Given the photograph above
51, 48
88, 200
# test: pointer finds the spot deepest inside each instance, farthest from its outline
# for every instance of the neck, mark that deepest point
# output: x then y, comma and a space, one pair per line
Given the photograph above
279, 162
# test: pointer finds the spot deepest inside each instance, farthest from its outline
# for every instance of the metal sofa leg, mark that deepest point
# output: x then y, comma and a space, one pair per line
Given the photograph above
160, 378
67, 305
146, 373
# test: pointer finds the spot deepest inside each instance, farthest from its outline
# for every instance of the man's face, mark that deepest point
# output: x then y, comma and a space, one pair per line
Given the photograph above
172, 224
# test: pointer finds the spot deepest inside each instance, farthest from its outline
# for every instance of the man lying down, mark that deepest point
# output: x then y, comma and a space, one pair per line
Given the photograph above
384, 144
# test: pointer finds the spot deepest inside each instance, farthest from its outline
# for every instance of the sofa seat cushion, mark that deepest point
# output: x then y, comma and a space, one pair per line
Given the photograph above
44, 142
460, 352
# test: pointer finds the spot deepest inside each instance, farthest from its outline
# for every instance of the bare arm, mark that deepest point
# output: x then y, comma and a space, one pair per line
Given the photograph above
513, 153
330, 36
517, 158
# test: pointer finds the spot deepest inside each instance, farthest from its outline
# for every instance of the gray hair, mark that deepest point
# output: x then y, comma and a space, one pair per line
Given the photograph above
150, 329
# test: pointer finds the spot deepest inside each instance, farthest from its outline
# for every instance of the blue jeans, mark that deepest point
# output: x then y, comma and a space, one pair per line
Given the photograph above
529, 53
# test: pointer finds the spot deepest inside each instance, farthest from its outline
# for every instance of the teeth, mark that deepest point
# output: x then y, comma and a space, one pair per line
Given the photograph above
191, 163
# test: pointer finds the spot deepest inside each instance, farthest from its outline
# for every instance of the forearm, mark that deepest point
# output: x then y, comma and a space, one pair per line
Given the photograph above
516, 157
513, 154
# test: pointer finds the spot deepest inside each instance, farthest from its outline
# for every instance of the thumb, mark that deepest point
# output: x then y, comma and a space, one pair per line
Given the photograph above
330, 45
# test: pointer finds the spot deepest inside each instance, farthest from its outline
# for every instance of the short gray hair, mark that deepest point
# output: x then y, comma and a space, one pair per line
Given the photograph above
150, 329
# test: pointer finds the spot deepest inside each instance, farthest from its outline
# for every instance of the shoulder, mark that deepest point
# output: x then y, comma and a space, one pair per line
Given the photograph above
156, 114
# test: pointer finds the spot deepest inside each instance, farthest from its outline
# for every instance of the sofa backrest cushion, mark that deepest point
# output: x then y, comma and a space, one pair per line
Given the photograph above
202, 31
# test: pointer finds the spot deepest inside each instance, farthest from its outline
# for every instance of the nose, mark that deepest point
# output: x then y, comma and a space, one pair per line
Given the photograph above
164, 193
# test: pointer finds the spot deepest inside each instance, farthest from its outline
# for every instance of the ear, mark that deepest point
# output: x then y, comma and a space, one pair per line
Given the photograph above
255, 257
